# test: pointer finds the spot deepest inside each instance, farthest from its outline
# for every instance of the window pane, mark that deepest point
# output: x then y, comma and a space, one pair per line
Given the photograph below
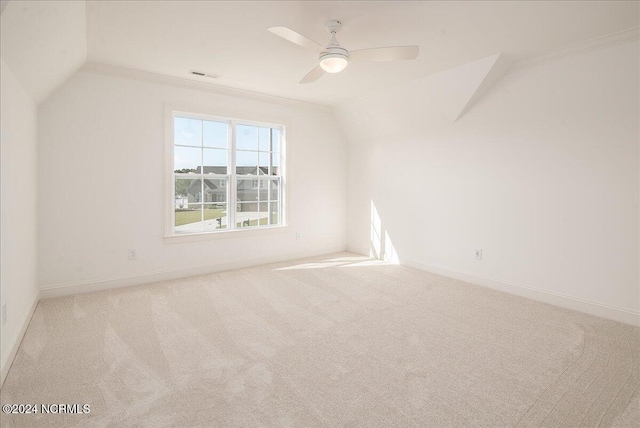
201, 202
275, 190
264, 190
246, 214
187, 191
275, 164
215, 161
215, 216
263, 215
247, 190
264, 139
215, 190
187, 132
187, 159
188, 219
275, 140
274, 212
246, 163
214, 134
264, 164
247, 137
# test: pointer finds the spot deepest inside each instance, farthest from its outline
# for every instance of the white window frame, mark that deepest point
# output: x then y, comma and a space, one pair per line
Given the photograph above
170, 234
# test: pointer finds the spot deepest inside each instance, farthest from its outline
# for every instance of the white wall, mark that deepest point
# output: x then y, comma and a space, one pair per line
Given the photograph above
542, 173
42, 44
102, 176
18, 285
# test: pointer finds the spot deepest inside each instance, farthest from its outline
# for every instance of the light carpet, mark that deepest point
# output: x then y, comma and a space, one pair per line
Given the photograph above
331, 341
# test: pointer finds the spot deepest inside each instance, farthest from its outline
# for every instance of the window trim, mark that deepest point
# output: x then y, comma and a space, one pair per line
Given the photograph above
170, 236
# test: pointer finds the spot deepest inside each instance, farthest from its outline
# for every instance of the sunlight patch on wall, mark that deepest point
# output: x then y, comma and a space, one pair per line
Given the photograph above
381, 245
376, 233
390, 254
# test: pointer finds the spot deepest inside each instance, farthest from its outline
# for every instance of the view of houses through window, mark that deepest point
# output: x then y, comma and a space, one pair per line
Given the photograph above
227, 174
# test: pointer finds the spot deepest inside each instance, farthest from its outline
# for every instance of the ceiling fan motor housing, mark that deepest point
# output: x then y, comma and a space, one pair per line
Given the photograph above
335, 52
333, 26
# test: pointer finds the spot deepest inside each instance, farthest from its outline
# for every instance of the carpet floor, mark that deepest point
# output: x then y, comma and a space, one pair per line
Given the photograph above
340, 340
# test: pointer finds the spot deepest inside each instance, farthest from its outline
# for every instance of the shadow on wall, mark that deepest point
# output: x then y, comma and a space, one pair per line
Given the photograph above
381, 245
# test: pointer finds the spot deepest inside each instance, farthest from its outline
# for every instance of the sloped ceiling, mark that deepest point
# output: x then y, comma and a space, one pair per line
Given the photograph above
231, 38
431, 102
43, 42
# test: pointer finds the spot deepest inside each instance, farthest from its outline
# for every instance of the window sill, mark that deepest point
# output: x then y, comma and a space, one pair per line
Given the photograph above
224, 234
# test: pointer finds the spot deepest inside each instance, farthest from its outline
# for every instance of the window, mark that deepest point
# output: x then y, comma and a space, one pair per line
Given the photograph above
227, 174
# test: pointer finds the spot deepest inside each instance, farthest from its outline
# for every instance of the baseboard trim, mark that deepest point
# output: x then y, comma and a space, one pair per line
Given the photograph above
169, 274
17, 340
569, 302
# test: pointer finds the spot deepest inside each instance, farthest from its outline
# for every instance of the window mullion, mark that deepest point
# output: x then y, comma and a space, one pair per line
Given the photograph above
202, 204
269, 154
270, 174
231, 200
280, 205
202, 178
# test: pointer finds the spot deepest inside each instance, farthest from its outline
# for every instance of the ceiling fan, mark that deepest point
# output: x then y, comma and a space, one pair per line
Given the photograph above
334, 58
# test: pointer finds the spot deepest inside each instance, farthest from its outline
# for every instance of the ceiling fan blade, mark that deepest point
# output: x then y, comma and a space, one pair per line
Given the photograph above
394, 53
297, 38
313, 75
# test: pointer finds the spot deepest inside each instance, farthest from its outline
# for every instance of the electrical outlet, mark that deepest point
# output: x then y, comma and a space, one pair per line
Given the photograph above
4, 314
298, 235
478, 254
132, 254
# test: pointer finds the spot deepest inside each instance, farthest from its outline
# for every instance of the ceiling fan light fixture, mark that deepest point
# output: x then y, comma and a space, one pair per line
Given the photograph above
333, 62
334, 58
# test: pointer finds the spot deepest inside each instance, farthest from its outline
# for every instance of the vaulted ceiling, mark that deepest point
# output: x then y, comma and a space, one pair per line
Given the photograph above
43, 42
231, 38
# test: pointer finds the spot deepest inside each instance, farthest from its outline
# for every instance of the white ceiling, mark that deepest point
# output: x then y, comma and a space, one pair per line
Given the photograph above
231, 38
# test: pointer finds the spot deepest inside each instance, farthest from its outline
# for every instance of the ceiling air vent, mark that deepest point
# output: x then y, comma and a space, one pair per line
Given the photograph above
201, 74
